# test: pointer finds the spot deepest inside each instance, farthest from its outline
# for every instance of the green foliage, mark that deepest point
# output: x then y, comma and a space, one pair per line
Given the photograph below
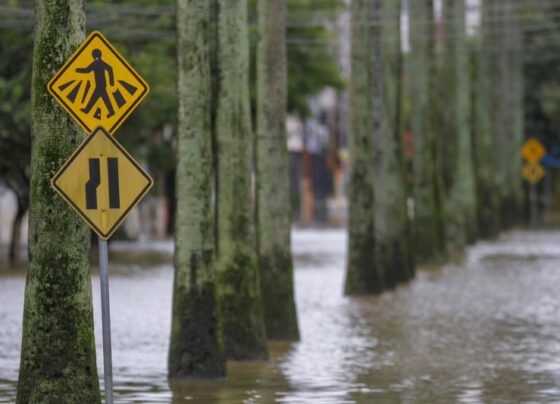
15, 120
311, 66
542, 85
149, 132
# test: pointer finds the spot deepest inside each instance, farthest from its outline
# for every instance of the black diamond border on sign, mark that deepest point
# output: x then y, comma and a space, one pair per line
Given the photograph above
141, 194
78, 52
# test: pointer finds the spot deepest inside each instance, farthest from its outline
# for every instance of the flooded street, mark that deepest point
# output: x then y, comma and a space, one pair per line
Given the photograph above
485, 331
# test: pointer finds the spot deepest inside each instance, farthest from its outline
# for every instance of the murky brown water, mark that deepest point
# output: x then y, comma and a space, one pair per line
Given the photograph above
486, 331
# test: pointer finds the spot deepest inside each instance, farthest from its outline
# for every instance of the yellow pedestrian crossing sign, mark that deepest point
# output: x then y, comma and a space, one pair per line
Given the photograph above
97, 86
102, 182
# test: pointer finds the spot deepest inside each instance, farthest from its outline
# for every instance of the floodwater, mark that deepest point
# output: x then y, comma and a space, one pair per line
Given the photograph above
483, 331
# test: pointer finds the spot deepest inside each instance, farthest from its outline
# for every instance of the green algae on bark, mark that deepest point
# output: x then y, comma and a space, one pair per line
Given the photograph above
273, 182
392, 229
362, 276
58, 363
238, 286
195, 349
428, 220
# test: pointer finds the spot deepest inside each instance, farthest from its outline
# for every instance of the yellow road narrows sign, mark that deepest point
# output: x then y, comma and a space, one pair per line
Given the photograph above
533, 172
102, 182
97, 86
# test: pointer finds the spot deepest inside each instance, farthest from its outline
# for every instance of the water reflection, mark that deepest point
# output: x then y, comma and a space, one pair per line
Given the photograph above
485, 331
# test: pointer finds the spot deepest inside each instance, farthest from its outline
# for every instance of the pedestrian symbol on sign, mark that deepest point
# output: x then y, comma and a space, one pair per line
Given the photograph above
97, 86
99, 67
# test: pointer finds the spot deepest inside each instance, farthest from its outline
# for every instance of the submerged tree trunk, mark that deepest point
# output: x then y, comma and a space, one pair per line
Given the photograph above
460, 201
273, 182
58, 362
488, 207
195, 350
240, 306
393, 246
362, 276
428, 221
15, 240
511, 111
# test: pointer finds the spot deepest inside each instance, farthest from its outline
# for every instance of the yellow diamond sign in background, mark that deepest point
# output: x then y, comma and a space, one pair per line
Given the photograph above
533, 151
533, 172
97, 86
102, 182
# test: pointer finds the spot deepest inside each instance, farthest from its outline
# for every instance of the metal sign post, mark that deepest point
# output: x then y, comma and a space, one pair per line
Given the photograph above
533, 204
106, 320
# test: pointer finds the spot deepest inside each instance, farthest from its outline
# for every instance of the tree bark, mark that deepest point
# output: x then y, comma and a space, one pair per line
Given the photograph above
392, 232
511, 112
460, 198
428, 220
362, 276
196, 348
240, 306
488, 207
273, 182
58, 362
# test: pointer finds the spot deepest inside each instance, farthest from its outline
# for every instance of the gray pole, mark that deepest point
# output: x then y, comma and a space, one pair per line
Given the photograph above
533, 204
106, 320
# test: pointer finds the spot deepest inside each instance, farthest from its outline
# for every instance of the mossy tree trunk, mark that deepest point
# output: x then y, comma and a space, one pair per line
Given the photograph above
362, 276
273, 182
511, 111
428, 220
393, 239
196, 348
488, 207
460, 197
58, 362
240, 306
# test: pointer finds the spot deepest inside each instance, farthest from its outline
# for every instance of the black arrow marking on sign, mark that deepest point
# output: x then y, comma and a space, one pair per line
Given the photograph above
93, 183
113, 170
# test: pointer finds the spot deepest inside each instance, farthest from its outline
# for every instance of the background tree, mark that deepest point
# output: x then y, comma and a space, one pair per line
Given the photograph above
428, 221
196, 346
486, 167
393, 247
510, 124
58, 349
15, 126
273, 182
362, 275
458, 174
240, 306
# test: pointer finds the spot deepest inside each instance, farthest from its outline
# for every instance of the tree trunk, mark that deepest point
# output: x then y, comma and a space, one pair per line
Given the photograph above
428, 221
195, 350
460, 200
362, 276
15, 240
511, 129
240, 305
273, 181
391, 223
58, 362
488, 207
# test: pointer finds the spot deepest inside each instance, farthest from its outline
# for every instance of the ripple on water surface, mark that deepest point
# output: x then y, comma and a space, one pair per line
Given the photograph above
484, 331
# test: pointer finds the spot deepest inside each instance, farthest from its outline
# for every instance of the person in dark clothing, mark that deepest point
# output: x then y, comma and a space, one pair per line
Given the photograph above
99, 67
